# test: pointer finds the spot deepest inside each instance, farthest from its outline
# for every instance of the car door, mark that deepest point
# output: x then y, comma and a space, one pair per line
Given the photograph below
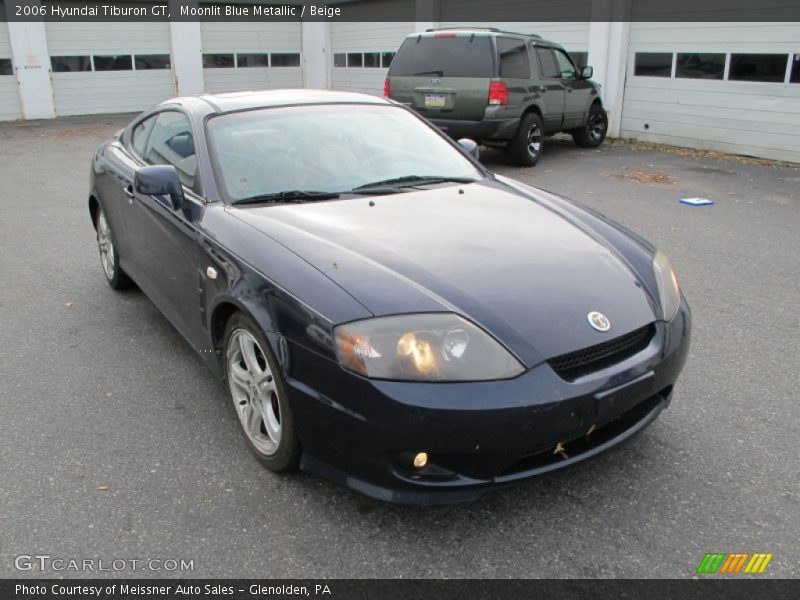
164, 240
550, 88
578, 90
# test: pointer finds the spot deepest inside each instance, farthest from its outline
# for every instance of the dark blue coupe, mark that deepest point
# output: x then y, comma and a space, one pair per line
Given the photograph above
386, 312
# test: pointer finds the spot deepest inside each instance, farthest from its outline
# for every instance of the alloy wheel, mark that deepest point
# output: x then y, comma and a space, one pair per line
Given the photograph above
534, 141
254, 392
105, 245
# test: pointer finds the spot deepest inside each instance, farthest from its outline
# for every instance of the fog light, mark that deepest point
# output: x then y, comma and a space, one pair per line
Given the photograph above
420, 460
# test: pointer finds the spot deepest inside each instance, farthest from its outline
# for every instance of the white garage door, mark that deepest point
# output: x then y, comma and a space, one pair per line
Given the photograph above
251, 56
362, 53
109, 67
9, 92
733, 87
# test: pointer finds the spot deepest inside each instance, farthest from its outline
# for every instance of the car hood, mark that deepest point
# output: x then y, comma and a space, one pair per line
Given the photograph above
505, 260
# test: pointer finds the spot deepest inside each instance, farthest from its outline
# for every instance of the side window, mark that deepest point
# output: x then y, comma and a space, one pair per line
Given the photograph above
172, 143
565, 66
548, 63
514, 61
139, 136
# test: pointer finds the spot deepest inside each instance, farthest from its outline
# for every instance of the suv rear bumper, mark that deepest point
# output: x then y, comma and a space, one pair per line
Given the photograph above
487, 129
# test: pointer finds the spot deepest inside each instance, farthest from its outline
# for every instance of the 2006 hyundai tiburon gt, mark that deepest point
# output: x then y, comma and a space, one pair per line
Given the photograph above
386, 312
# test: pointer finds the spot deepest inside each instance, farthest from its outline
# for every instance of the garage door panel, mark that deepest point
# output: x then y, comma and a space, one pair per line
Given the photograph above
743, 120
747, 117
9, 92
676, 101
773, 146
250, 37
572, 35
96, 93
365, 37
230, 80
9, 98
96, 38
369, 36
705, 34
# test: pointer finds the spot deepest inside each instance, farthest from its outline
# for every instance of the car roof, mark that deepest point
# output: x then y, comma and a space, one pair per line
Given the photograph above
251, 99
484, 31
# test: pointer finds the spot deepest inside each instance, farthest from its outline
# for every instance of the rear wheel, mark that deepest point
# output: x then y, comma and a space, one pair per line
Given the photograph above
259, 396
109, 258
593, 133
526, 146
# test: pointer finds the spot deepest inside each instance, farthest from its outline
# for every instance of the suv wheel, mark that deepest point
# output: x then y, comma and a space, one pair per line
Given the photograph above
593, 133
526, 147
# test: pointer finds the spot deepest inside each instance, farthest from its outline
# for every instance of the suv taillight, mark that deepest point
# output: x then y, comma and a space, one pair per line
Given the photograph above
386, 88
498, 93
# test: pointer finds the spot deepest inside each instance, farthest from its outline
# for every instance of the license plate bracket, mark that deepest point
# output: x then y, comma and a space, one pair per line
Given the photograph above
612, 403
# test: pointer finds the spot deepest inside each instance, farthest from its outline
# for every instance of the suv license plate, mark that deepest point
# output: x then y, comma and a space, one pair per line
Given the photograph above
434, 100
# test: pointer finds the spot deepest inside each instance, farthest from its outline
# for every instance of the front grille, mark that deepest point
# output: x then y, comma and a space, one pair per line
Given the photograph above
576, 364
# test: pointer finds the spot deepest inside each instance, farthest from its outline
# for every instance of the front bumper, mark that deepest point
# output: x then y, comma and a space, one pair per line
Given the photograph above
363, 434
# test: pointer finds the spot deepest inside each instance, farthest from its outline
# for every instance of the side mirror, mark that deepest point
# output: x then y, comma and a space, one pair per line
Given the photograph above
470, 146
587, 72
160, 180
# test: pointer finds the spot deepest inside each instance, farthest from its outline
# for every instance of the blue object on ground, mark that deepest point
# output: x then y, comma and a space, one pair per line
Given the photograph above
696, 201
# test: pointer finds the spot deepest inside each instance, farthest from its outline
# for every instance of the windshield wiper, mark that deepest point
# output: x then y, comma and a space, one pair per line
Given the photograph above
439, 73
411, 181
296, 196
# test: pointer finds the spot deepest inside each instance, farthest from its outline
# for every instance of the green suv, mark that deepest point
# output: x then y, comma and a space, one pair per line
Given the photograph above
498, 88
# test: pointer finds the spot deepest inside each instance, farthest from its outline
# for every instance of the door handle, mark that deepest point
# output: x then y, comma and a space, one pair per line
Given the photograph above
129, 193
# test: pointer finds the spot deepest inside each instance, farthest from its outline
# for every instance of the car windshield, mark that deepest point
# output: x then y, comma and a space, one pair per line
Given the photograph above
327, 150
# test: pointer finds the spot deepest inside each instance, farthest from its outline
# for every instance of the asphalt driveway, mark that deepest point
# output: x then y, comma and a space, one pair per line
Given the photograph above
116, 443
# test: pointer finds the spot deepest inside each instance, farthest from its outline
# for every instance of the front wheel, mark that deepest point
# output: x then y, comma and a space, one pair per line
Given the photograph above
109, 257
593, 133
526, 147
259, 396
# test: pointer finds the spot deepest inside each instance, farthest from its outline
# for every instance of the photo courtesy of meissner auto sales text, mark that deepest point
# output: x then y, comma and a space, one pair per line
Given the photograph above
399, 299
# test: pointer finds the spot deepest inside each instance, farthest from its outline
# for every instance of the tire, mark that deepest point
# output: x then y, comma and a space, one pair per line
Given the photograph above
527, 145
259, 395
594, 132
109, 257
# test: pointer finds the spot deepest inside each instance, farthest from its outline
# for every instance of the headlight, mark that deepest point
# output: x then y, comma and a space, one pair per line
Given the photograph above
668, 291
426, 347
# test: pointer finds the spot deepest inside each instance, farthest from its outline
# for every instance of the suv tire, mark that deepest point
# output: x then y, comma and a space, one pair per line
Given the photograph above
526, 146
594, 132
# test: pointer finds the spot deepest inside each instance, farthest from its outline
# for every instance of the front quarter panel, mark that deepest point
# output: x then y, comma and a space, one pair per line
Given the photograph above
286, 296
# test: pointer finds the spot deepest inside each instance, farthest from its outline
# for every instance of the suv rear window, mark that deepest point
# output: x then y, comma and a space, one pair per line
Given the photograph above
456, 56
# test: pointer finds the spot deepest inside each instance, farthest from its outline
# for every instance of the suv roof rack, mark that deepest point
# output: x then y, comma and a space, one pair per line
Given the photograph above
492, 29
